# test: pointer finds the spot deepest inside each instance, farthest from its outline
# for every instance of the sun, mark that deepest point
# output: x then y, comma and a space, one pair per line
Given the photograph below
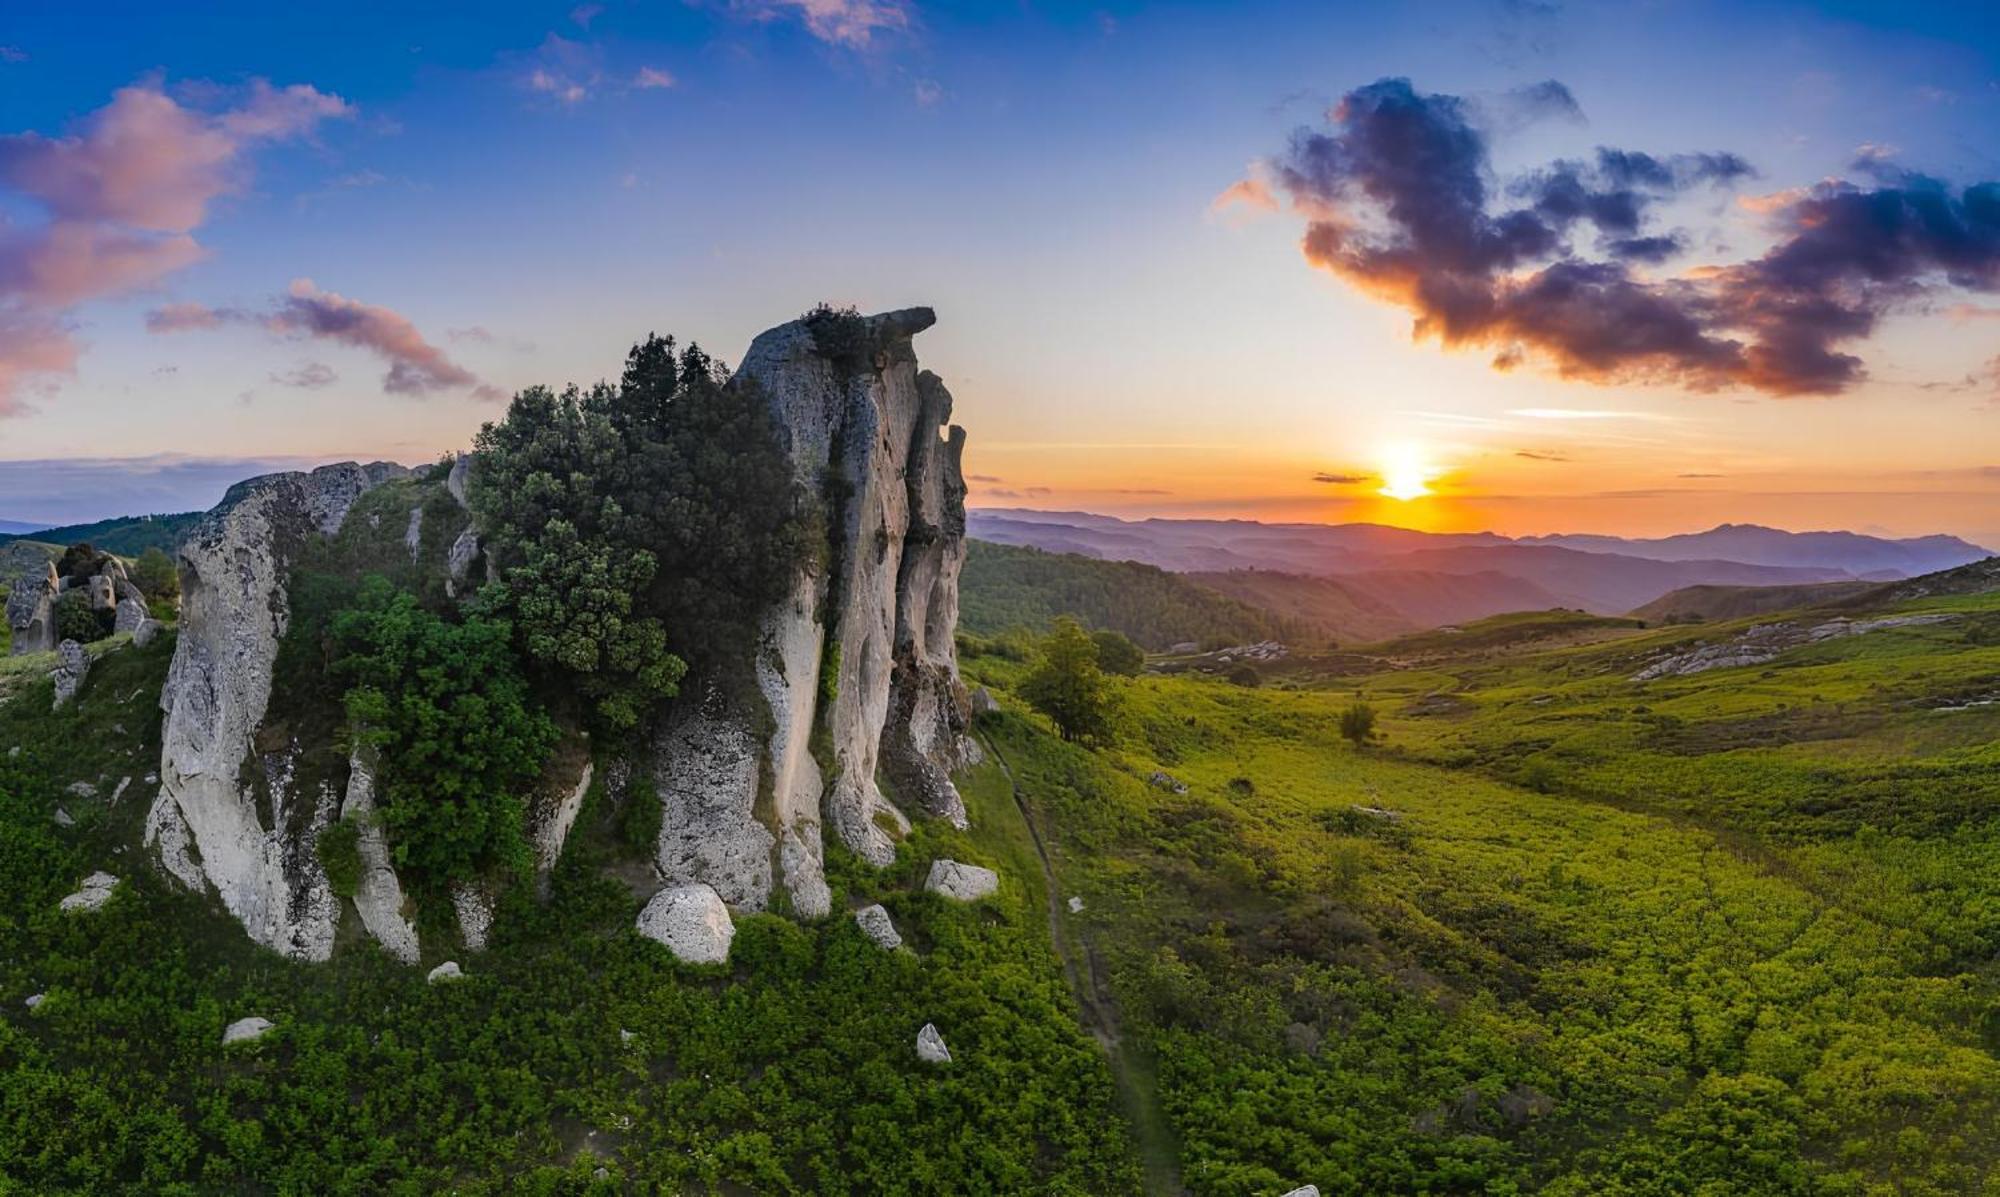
1406, 474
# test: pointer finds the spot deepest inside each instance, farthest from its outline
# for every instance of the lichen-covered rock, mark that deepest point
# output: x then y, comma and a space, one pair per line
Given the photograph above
1304, 1191
464, 554
378, 894
875, 923
692, 921
930, 1046
448, 971
246, 1030
961, 882
131, 613
413, 536
144, 633
94, 892
72, 666
474, 908
31, 610
257, 854
460, 473
983, 702
705, 771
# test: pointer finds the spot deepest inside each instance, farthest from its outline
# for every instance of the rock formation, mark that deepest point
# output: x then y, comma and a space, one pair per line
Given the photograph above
930, 1046
692, 921
31, 612
961, 882
249, 837
861, 650
246, 1030
72, 666
875, 923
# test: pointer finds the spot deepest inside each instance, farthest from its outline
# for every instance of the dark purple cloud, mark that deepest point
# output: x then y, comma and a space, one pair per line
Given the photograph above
1397, 202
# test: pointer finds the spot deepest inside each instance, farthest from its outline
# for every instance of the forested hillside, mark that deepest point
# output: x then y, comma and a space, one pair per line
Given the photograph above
1004, 588
127, 536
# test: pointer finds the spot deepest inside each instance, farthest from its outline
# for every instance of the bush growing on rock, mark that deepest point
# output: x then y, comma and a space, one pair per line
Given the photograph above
459, 735
340, 855
76, 621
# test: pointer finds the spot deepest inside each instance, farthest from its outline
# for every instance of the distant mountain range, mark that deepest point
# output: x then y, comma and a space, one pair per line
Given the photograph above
19, 528
127, 536
1368, 575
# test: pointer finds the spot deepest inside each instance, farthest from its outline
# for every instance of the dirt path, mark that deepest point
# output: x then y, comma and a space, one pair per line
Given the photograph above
1133, 1076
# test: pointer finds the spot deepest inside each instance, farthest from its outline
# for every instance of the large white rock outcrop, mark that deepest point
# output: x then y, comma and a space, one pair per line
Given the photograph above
249, 837
31, 610
378, 894
961, 882
860, 651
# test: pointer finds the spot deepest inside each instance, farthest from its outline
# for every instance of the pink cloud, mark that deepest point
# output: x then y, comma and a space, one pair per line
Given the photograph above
416, 366
653, 78
121, 196
853, 24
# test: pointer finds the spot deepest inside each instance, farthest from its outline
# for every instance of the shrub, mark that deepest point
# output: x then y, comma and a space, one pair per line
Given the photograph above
76, 621
155, 574
639, 818
340, 855
1117, 654
1246, 675
1357, 723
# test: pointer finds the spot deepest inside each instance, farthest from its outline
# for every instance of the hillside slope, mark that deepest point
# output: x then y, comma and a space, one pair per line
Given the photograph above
127, 536
1003, 588
1734, 602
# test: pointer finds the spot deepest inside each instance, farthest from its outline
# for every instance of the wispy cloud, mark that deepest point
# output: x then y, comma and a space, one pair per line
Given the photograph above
123, 195
311, 376
851, 24
654, 79
1342, 479
416, 366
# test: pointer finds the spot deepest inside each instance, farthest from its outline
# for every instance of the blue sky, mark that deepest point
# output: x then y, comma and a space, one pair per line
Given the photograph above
526, 188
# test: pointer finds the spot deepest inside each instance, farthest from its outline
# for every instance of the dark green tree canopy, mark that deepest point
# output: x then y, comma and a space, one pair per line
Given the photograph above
1068, 686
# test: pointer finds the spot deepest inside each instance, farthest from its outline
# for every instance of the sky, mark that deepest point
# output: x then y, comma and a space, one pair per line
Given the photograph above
1516, 265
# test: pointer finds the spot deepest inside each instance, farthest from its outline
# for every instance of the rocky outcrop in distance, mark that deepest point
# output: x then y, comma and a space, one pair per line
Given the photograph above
854, 719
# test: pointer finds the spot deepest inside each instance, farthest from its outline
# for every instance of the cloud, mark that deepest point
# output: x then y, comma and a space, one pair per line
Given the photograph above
1249, 192
653, 79
1700, 475
928, 93
565, 71
984, 478
416, 367
584, 14
311, 376
13, 54
121, 197
1396, 201
849, 24
1539, 455
1341, 479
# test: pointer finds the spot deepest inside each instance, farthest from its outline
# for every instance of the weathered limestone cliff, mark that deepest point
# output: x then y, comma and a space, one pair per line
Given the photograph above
208, 820
860, 652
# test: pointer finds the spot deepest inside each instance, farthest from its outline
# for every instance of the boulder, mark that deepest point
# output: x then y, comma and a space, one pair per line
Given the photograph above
1076, 905
1304, 1191
31, 610
983, 702
131, 613
463, 555
72, 666
248, 832
246, 1030
124, 589
103, 595
961, 882
930, 1046
692, 921
34, 999
474, 908
875, 924
413, 536
63, 818
448, 971
1162, 780
144, 633
95, 892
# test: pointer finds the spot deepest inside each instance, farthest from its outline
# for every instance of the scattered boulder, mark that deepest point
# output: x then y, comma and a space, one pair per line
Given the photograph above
961, 882
1075, 905
31, 610
1185, 648
144, 633
459, 561
875, 924
930, 1046
118, 791
1163, 780
625, 1036
80, 789
983, 702
246, 1030
35, 999
692, 921
63, 818
72, 666
131, 613
448, 971
95, 892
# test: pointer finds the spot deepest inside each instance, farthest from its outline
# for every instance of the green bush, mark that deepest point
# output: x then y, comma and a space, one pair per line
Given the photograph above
340, 855
1067, 685
76, 621
1117, 654
639, 818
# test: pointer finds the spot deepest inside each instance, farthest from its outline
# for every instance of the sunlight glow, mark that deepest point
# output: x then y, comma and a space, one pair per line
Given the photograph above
1406, 474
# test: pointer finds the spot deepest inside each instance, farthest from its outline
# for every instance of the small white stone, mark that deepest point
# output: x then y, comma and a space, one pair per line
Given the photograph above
96, 891
63, 819
246, 1030
448, 971
35, 999
1075, 905
1304, 1191
875, 924
625, 1036
961, 882
930, 1046
692, 921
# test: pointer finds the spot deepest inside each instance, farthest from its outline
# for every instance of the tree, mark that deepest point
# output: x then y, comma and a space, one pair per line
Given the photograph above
1357, 723
79, 561
458, 736
635, 528
1117, 654
76, 621
154, 573
1068, 686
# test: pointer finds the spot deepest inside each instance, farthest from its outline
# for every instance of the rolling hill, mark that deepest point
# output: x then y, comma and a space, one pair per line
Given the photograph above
1003, 588
127, 536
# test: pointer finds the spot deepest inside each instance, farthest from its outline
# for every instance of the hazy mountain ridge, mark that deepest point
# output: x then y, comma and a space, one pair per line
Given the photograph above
1399, 566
